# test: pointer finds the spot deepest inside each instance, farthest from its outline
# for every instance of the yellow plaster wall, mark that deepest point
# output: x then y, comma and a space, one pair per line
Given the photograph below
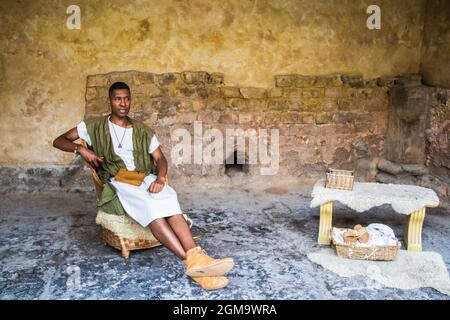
44, 65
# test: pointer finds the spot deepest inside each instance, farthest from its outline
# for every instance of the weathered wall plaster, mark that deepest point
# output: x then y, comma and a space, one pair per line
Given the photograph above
44, 65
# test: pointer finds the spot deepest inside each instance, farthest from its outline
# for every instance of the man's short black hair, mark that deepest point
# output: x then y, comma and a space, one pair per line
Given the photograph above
118, 85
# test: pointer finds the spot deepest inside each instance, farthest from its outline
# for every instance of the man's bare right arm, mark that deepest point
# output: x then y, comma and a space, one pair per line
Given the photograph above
65, 143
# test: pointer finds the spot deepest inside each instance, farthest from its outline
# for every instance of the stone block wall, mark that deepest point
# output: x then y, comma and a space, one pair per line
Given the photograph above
336, 120
417, 149
409, 102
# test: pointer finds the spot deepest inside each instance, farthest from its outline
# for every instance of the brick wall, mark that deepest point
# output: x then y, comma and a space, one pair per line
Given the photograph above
337, 120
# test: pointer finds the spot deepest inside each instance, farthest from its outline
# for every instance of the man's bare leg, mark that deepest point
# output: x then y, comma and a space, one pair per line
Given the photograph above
164, 233
182, 230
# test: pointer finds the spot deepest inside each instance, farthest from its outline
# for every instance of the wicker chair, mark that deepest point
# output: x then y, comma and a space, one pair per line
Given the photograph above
122, 232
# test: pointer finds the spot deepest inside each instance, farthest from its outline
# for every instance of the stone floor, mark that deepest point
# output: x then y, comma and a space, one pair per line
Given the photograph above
48, 239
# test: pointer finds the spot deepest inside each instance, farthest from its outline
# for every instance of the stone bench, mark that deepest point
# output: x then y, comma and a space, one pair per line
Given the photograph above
405, 199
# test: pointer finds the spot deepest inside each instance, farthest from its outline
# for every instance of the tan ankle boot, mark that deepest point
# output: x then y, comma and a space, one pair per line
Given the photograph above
211, 283
199, 264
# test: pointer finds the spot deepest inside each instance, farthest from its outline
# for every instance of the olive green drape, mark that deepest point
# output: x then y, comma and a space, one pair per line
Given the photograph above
98, 130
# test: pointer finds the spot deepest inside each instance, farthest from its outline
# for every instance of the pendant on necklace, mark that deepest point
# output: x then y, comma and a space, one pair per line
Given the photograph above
120, 146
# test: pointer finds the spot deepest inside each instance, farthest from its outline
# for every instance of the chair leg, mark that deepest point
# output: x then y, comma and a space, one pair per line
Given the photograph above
326, 217
413, 232
125, 251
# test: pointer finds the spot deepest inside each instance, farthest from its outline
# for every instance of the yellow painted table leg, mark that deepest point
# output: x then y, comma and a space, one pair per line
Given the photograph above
413, 233
326, 217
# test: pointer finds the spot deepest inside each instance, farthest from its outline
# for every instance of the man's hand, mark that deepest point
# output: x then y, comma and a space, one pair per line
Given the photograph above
90, 157
157, 186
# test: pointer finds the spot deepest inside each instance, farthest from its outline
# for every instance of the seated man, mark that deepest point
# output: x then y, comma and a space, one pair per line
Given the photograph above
150, 202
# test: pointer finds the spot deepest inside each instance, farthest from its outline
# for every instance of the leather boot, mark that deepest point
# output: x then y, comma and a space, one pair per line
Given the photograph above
211, 283
199, 264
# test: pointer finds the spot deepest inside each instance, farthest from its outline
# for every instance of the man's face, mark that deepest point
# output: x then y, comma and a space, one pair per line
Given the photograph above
120, 102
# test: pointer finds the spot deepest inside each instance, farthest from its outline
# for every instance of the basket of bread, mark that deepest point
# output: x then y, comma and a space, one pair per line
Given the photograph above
374, 242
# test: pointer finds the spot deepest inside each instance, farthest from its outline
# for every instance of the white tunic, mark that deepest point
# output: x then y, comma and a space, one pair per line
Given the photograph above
141, 205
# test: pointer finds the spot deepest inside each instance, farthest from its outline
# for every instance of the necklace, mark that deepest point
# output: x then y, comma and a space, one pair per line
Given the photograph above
124, 131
